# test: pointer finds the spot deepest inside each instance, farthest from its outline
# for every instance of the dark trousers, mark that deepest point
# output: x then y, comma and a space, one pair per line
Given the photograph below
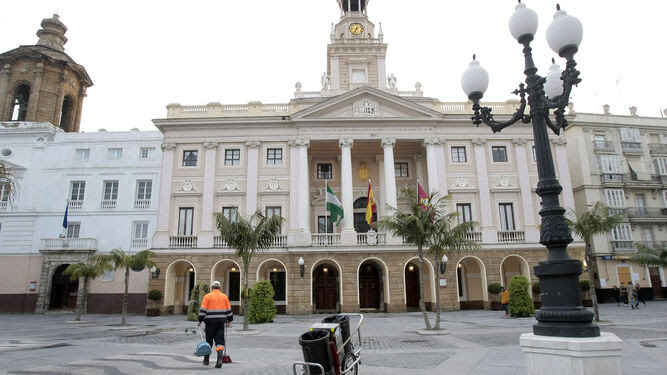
215, 331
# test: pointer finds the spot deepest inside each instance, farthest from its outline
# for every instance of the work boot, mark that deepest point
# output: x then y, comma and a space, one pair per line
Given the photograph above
205, 361
218, 363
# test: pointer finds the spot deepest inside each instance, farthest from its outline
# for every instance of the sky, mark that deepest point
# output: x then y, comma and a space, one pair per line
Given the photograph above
143, 55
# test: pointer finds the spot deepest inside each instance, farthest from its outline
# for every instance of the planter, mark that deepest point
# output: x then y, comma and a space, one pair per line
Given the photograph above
496, 305
153, 311
538, 304
588, 303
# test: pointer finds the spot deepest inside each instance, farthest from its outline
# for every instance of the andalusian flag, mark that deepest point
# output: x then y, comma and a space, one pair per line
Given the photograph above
371, 207
333, 206
423, 197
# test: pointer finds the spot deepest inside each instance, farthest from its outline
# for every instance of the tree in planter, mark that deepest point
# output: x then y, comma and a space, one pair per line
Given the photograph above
262, 308
520, 304
196, 296
118, 259
87, 272
495, 289
595, 221
154, 296
246, 237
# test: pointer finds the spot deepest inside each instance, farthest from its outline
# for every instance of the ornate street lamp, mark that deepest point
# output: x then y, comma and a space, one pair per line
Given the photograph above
562, 313
443, 265
302, 268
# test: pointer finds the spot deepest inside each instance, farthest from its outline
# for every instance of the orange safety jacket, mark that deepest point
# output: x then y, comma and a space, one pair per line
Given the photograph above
505, 296
215, 307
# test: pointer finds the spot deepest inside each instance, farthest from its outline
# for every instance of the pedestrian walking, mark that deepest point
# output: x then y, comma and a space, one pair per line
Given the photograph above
632, 294
216, 312
505, 299
624, 293
640, 294
636, 291
617, 295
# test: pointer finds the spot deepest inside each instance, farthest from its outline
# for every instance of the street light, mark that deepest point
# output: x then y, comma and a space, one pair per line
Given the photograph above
443, 265
302, 268
562, 313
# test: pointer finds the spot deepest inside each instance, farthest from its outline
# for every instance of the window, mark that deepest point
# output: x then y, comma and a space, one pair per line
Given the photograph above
614, 197
273, 211
140, 230
661, 166
506, 216
231, 213
358, 76
609, 164
110, 190
82, 154
185, 221
73, 230
274, 156
324, 224
144, 190
622, 232
499, 154
465, 213
114, 153
190, 158
630, 135
534, 155
324, 171
459, 154
233, 157
146, 152
107, 276
78, 190
401, 169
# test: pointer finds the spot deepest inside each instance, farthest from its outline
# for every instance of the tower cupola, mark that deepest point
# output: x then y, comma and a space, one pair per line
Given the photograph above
52, 33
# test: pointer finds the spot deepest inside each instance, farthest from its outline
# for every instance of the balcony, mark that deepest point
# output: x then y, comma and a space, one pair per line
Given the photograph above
139, 243
219, 243
142, 204
279, 241
646, 213
611, 178
653, 244
53, 244
659, 178
183, 242
511, 236
474, 236
4, 205
75, 205
604, 146
658, 148
109, 204
325, 239
364, 239
617, 210
622, 246
631, 148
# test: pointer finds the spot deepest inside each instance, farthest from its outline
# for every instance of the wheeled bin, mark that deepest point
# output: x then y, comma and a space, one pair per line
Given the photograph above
344, 322
315, 348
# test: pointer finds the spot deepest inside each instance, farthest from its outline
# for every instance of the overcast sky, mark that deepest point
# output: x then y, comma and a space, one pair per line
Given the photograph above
143, 55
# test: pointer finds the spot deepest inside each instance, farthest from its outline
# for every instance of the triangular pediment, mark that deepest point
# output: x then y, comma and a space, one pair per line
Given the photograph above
12, 166
366, 102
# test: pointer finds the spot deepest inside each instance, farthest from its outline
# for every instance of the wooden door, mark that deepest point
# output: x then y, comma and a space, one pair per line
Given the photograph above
326, 288
64, 291
278, 283
624, 275
656, 282
411, 286
369, 287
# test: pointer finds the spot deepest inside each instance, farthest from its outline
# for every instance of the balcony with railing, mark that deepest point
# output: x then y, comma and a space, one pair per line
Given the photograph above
4, 205
622, 246
611, 178
183, 242
659, 178
474, 236
109, 204
658, 148
604, 146
279, 241
325, 239
75, 205
647, 213
219, 243
369, 239
617, 210
653, 244
632, 148
88, 244
139, 243
511, 236
142, 204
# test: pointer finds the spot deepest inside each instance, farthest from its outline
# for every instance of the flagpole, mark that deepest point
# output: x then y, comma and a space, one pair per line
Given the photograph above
326, 191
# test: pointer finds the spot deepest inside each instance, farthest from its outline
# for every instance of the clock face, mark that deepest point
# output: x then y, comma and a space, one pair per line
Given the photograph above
356, 28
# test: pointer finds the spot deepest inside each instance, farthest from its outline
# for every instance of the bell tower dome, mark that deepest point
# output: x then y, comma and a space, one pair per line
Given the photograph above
356, 54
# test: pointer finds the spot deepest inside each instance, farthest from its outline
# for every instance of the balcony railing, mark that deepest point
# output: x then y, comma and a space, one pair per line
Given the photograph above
219, 243
617, 210
140, 243
660, 178
653, 244
108, 204
631, 147
4, 205
474, 236
326, 239
183, 242
604, 146
142, 203
363, 239
657, 148
69, 244
612, 178
280, 241
75, 205
511, 236
622, 246
647, 212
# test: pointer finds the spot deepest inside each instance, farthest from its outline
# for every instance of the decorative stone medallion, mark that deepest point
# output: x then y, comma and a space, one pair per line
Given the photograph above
366, 108
231, 185
274, 184
461, 183
372, 237
187, 185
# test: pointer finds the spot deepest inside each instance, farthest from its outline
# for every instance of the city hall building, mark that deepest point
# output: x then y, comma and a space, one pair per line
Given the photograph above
240, 158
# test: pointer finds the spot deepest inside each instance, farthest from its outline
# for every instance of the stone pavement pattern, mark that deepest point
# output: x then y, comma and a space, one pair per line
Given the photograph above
480, 342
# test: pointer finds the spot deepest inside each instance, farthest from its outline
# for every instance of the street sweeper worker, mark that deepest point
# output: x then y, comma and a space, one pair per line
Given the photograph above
216, 312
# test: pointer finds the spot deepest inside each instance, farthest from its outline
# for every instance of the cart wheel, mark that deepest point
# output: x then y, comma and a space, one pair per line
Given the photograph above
348, 360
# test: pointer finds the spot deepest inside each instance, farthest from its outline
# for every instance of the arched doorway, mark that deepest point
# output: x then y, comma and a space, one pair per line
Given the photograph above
180, 281
228, 273
360, 223
513, 265
371, 293
411, 279
471, 280
64, 290
274, 271
325, 288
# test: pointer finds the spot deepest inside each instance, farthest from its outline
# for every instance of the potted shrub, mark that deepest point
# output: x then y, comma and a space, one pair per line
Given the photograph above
262, 308
521, 305
153, 309
536, 294
585, 286
495, 289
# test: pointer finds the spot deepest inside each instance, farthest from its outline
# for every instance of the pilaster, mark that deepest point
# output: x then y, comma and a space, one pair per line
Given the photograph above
431, 163
161, 236
207, 231
6, 95
302, 236
253, 170
348, 234
489, 232
564, 171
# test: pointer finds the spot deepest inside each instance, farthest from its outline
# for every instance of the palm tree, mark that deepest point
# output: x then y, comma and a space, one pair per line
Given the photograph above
87, 272
417, 228
450, 235
117, 259
648, 256
591, 223
246, 237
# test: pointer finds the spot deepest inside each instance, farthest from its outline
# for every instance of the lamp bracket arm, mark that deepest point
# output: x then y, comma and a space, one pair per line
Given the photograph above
483, 114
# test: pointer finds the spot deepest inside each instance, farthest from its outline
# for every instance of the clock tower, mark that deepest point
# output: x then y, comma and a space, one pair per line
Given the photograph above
356, 55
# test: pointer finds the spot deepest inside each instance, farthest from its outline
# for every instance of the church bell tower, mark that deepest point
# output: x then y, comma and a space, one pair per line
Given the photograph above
356, 54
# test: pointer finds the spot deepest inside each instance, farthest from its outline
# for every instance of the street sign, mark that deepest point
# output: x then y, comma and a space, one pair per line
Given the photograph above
443, 282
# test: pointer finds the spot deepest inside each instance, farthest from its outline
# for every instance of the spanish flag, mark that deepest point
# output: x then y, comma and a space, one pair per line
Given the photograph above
371, 207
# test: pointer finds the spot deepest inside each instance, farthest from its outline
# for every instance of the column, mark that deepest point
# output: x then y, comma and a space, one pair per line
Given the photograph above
431, 163
208, 231
348, 234
564, 171
33, 105
302, 235
532, 234
489, 232
251, 180
390, 184
419, 166
161, 237
293, 191
383, 192
4, 81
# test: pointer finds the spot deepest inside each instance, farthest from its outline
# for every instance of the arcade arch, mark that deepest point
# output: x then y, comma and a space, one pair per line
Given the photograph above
513, 265
372, 284
471, 281
411, 284
326, 285
179, 281
228, 272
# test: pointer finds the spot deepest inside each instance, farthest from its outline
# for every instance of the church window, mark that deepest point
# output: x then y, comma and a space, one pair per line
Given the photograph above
324, 171
233, 157
20, 103
190, 158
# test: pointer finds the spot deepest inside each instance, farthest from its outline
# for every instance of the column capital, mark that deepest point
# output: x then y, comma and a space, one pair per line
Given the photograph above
252, 143
388, 142
519, 141
431, 141
299, 142
346, 142
559, 141
168, 146
479, 141
210, 145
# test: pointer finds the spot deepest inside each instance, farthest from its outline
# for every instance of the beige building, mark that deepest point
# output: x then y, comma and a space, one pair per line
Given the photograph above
276, 158
622, 161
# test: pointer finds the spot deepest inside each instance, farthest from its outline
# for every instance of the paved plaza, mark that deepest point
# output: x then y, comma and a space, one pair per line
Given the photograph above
480, 342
